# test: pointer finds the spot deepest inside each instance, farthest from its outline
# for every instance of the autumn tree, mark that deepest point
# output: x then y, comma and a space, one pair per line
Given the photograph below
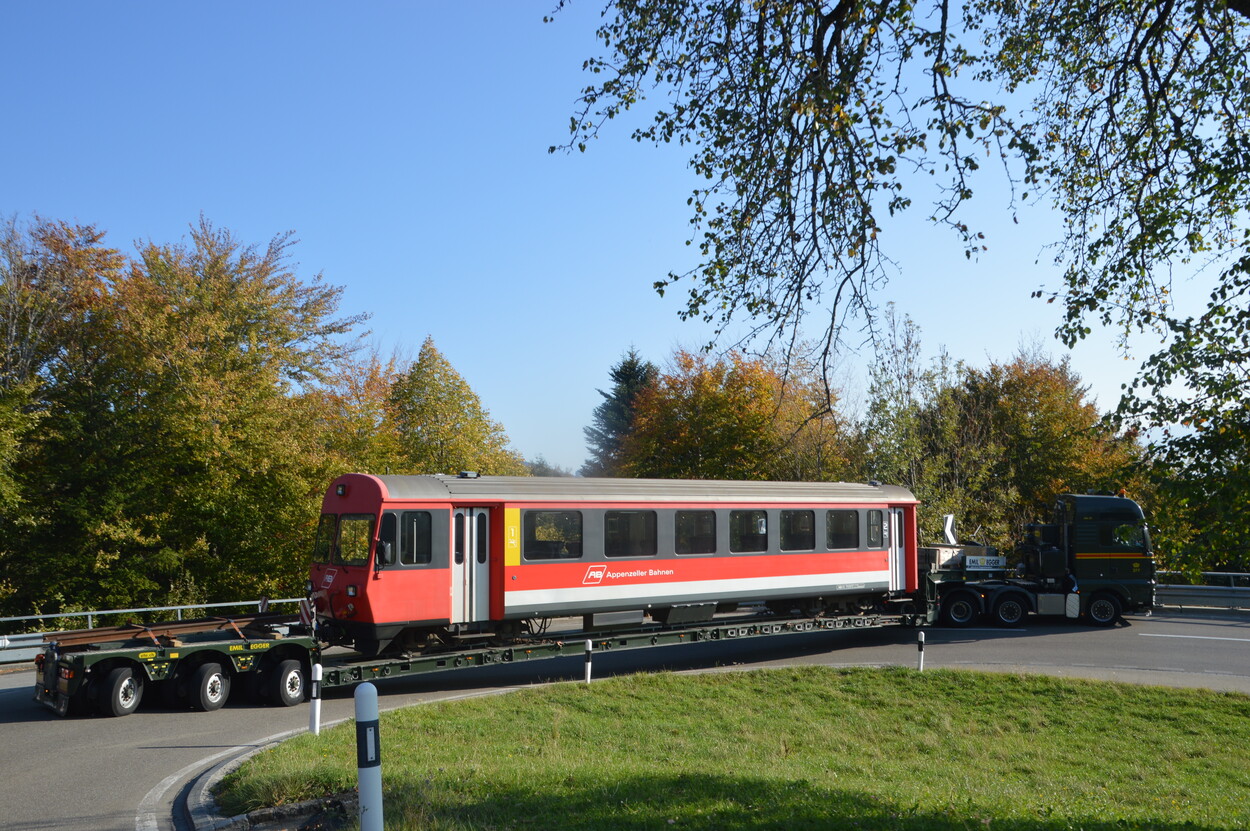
613, 419
992, 446
812, 122
730, 418
357, 416
442, 425
176, 458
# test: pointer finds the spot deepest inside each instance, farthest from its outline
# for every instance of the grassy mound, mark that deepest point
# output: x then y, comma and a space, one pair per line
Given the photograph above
802, 748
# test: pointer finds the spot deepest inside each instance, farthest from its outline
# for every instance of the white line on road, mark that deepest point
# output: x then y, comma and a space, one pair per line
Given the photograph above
1195, 637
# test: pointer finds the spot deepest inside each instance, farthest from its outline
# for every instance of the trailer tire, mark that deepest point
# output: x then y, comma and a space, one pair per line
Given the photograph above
1103, 610
1010, 610
959, 610
121, 693
287, 683
210, 687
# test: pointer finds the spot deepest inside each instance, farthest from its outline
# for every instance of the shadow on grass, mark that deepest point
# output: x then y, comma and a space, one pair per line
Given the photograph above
709, 802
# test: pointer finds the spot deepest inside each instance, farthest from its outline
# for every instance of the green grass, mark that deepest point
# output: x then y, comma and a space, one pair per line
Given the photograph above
804, 748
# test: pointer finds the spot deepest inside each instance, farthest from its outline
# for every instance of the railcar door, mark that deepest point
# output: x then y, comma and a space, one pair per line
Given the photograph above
898, 556
470, 565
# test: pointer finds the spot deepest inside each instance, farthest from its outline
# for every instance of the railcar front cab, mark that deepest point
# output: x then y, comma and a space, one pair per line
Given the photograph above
359, 540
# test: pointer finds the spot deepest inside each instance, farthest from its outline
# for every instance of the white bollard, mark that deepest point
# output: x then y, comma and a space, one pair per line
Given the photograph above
314, 699
590, 647
368, 758
920, 651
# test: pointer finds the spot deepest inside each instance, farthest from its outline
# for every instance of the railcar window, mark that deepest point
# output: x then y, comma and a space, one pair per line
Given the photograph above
841, 530
798, 530
695, 532
551, 535
323, 548
355, 535
457, 539
416, 545
748, 531
629, 534
876, 529
480, 537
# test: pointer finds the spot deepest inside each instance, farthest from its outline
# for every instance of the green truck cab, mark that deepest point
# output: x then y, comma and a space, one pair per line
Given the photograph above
1094, 562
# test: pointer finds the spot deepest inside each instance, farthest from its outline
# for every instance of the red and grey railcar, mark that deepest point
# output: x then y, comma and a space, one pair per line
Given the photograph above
401, 560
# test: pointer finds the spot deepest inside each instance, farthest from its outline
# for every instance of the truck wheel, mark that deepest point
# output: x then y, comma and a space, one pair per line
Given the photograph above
286, 683
210, 687
121, 693
1104, 610
959, 610
1009, 611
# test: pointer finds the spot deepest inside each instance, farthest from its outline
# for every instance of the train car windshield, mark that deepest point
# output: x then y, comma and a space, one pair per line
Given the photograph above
355, 538
327, 530
344, 540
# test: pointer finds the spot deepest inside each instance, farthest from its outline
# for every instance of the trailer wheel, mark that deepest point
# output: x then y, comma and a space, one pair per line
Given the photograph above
287, 683
1104, 610
121, 693
959, 610
1009, 610
210, 687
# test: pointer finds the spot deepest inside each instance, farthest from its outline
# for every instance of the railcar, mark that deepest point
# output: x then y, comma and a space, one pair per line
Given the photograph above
406, 562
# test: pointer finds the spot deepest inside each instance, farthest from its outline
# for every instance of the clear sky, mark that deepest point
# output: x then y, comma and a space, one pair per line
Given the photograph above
405, 144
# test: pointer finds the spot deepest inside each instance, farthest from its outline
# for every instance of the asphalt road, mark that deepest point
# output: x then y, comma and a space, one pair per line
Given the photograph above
99, 774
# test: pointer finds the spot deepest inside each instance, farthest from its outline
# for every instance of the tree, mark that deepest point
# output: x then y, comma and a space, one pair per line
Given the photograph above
442, 425
809, 120
731, 418
613, 419
176, 457
357, 416
993, 446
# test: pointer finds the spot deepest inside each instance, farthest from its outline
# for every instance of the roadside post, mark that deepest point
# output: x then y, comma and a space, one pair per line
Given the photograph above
314, 700
920, 652
368, 758
590, 647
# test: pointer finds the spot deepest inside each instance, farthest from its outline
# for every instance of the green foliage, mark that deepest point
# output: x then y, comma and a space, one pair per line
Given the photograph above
807, 747
809, 121
168, 422
993, 446
734, 418
613, 420
442, 425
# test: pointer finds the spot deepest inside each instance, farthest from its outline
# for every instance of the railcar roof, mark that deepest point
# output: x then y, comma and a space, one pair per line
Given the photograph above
584, 489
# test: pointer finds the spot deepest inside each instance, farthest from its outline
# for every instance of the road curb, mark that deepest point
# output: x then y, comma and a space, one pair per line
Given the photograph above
201, 807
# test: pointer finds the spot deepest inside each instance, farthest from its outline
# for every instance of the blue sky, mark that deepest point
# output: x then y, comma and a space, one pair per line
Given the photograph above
405, 144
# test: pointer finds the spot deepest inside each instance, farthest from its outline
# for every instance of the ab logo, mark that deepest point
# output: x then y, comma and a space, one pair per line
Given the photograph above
594, 575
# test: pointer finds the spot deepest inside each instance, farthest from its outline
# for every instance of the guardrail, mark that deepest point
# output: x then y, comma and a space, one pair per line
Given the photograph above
24, 647
1205, 597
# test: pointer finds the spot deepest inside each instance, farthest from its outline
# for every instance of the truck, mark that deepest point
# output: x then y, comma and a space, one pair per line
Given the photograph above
1093, 562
